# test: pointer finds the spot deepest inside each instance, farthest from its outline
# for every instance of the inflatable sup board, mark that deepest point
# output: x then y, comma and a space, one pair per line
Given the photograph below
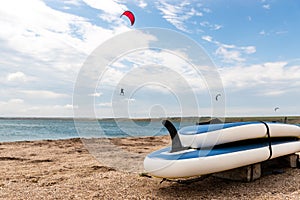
181, 161
214, 134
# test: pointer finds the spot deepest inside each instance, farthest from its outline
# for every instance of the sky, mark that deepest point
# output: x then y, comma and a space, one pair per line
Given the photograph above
253, 45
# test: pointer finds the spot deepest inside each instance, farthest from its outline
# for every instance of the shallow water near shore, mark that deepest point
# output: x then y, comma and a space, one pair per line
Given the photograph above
26, 129
53, 129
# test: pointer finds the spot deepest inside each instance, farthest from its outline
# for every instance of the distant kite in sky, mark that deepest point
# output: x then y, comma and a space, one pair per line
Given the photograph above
130, 16
275, 109
218, 95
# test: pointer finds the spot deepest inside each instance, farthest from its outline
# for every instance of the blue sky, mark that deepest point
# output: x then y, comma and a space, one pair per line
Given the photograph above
253, 44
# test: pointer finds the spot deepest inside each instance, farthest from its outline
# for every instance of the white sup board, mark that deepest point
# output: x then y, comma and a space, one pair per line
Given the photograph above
205, 149
214, 134
194, 162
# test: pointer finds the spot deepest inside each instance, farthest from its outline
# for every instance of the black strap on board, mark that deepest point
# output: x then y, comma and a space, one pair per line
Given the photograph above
269, 139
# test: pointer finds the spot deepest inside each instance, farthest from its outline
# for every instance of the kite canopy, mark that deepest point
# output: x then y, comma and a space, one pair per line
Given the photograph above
130, 16
218, 95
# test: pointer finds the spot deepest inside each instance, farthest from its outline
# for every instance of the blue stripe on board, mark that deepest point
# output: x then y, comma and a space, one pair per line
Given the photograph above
198, 129
164, 155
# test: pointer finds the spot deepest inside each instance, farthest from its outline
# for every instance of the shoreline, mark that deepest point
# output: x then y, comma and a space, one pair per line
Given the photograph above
289, 118
65, 169
74, 134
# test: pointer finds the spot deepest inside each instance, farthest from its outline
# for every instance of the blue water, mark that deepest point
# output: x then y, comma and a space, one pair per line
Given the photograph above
42, 129
53, 129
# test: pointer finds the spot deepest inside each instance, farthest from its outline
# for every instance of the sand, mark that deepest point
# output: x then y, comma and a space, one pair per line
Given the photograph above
65, 169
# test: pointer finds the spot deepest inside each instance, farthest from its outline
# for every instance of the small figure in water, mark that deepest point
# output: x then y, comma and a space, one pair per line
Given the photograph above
122, 92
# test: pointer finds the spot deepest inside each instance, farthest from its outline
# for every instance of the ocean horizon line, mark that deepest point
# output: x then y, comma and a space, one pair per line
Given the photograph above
200, 118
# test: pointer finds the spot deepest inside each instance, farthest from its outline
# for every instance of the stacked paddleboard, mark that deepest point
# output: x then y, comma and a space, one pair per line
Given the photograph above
210, 148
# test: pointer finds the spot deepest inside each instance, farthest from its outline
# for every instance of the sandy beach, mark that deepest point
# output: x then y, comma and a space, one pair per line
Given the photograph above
65, 169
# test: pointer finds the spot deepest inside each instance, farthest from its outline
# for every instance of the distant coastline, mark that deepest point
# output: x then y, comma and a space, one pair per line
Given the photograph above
286, 119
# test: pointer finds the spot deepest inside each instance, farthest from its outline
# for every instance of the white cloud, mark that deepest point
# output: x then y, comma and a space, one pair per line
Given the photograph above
249, 49
194, 12
162, 72
177, 13
272, 78
18, 107
272, 93
16, 101
207, 38
48, 44
211, 26
106, 104
111, 10
43, 94
262, 32
54, 38
37, 31
156, 82
108, 6
257, 89
207, 10
17, 77
150, 63
230, 53
248, 111
130, 99
46, 111
216, 27
68, 106
281, 32
96, 94
142, 4
267, 6
73, 2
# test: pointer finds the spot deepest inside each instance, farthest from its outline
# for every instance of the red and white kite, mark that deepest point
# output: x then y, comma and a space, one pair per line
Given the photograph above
130, 16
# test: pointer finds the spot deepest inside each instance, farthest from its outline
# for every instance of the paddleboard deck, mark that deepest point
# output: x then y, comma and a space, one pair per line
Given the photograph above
214, 134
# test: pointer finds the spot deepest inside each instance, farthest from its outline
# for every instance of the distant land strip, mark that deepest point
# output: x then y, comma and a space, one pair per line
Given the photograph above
283, 119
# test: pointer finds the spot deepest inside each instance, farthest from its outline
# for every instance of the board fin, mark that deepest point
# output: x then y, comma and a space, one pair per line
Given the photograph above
176, 143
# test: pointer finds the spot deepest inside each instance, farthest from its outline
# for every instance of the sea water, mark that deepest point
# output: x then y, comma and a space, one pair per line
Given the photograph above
53, 129
42, 129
